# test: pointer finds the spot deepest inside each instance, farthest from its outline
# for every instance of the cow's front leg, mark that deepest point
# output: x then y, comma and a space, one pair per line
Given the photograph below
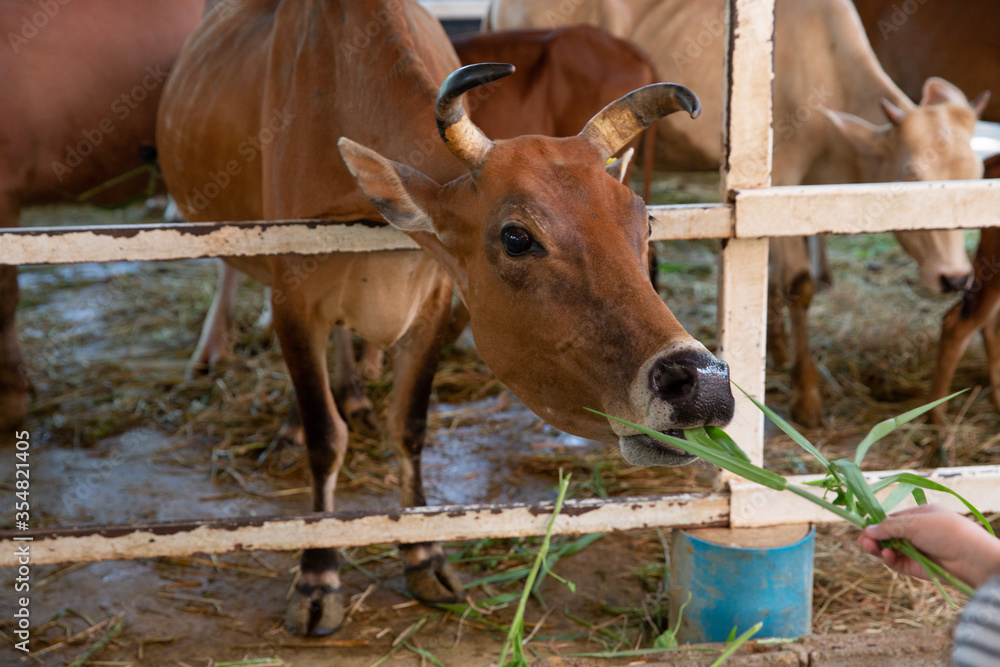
777, 341
14, 383
807, 406
316, 606
791, 261
429, 575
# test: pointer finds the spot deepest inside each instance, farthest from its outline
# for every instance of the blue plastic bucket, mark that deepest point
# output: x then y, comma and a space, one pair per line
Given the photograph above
735, 586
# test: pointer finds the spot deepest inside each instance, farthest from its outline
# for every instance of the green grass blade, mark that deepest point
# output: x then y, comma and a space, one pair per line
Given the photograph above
920, 496
722, 439
886, 427
740, 641
856, 482
514, 643
897, 496
788, 429
839, 511
713, 455
423, 653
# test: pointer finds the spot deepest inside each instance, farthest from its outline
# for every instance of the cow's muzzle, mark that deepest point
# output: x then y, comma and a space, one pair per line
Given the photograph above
695, 385
680, 389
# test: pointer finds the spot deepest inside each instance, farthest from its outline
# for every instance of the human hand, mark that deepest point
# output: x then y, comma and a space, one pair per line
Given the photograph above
957, 544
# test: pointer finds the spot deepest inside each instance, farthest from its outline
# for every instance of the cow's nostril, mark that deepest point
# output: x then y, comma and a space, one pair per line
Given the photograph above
672, 381
955, 283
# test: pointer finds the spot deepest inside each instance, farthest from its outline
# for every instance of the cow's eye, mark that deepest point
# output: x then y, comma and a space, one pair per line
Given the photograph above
517, 241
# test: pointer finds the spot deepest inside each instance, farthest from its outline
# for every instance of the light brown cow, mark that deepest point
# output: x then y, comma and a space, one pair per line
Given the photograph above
81, 84
822, 62
979, 310
917, 39
546, 249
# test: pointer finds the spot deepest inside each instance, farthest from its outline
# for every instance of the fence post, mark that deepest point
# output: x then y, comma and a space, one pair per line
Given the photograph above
747, 134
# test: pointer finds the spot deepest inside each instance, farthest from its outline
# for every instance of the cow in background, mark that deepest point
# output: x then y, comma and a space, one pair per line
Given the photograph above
838, 118
979, 311
957, 41
81, 85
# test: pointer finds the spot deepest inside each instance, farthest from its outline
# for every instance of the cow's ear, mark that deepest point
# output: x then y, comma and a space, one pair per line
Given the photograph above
861, 134
938, 91
393, 188
619, 167
979, 104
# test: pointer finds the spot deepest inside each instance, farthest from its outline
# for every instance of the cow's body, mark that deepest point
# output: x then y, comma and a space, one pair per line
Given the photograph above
562, 78
529, 231
979, 311
82, 82
956, 42
822, 62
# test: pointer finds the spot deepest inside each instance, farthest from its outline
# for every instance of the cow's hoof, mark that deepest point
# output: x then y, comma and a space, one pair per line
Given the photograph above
314, 610
807, 410
434, 581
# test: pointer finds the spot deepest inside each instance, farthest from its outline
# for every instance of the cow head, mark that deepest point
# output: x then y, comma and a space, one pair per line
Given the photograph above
931, 141
548, 250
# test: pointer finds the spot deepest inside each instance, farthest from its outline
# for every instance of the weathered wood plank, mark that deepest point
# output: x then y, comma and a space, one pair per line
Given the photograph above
419, 524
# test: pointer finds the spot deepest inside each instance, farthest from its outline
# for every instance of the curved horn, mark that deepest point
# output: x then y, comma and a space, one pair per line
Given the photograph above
460, 134
618, 123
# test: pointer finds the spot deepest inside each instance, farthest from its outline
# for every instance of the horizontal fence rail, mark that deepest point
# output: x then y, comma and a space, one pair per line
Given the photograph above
778, 211
415, 524
185, 240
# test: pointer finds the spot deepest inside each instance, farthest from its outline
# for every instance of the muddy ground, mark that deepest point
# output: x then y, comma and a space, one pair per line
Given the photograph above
119, 435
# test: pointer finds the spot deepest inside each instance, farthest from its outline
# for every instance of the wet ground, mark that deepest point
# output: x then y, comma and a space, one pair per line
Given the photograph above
119, 435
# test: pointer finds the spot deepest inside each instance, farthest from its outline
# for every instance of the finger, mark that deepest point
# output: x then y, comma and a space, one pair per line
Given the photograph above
869, 545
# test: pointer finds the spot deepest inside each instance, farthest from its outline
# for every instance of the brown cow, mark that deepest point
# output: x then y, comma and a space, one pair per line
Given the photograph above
546, 249
562, 78
81, 86
979, 310
822, 61
917, 39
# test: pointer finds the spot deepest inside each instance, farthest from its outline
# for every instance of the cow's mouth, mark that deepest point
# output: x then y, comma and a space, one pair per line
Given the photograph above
643, 450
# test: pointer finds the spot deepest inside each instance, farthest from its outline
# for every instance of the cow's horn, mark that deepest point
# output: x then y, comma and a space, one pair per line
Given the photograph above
618, 123
460, 134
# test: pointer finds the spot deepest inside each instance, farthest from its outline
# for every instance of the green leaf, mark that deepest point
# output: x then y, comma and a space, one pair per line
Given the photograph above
713, 455
788, 429
839, 511
668, 639
886, 427
857, 483
732, 635
722, 439
898, 495
742, 639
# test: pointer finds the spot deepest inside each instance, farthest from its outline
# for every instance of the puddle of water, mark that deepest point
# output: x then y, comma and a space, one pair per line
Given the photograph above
473, 457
